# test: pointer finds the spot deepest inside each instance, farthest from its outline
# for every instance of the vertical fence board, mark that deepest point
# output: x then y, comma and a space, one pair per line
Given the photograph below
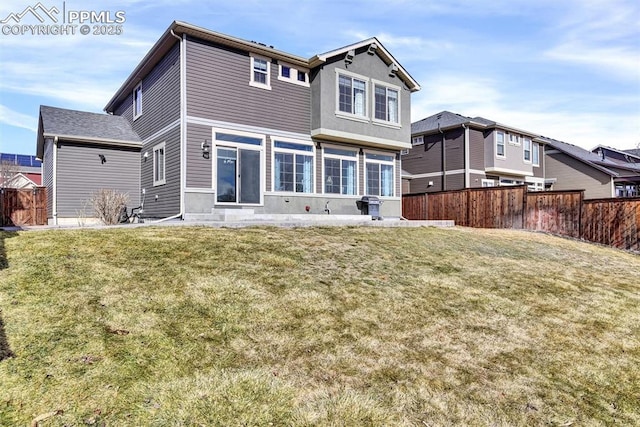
613, 222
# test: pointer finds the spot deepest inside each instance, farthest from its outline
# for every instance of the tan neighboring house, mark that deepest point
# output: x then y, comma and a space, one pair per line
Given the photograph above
603, 172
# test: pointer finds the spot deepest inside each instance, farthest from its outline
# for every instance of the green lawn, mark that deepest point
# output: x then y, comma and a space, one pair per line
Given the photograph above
319, 326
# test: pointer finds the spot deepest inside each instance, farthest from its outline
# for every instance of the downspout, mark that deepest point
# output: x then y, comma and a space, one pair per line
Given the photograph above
444, 160
54, 177
465, 142
182, 128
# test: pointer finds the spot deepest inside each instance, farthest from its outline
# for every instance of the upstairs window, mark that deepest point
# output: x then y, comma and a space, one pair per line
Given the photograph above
535, 155
386, 104
260, 72
500, 144
526, 149
352, 95
137, 101
417, 140
293, 75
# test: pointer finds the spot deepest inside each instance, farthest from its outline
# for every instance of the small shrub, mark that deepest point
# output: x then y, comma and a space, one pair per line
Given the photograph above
107, 204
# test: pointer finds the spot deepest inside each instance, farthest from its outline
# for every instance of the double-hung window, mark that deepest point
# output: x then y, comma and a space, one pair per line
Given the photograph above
159, 164
386, 103
293, 167
260, 72
380, 174
500, 144
352, 95
340, 171
137, 101
535, 155
526, 149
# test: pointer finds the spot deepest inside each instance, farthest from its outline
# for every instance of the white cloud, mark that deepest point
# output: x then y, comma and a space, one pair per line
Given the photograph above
14, 118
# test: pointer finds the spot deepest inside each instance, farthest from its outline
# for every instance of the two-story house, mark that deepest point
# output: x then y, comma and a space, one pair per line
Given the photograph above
221, 126
451, 152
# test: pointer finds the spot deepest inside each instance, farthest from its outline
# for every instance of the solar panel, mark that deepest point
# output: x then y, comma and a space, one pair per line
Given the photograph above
21, 160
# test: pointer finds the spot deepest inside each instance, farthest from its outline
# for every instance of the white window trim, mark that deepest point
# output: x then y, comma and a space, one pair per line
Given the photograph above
337, 156
524, 150
535, 147
367, 93
137, 112
293, 75
380, 162
252, 82
504, 144
237, 145
417, 140
376, 121
162, 146
291, 151
517, 137
488, 182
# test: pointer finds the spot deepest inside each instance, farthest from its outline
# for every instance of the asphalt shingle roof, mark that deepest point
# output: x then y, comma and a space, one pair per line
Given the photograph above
80, 124
589, 157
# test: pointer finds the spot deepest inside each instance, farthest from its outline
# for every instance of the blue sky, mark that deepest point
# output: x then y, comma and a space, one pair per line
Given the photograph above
566, 69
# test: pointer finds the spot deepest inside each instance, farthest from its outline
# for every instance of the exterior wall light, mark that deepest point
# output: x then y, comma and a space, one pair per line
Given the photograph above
206, 148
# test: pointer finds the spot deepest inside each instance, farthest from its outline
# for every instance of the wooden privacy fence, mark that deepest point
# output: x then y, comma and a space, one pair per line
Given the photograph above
613, 222
23, 207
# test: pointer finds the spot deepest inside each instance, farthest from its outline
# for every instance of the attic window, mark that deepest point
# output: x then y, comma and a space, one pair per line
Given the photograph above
137, 101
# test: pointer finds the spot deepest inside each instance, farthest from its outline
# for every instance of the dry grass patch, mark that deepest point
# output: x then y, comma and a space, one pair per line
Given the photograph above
320, 326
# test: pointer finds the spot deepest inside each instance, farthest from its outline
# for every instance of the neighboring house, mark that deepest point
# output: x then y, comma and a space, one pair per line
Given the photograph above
451, 152
20, 171
82, 153
217, 124
602, 173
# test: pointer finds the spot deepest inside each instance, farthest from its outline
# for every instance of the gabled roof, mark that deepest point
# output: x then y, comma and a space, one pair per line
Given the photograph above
72, 125
177, 28
380, 51
446, 120
580, 154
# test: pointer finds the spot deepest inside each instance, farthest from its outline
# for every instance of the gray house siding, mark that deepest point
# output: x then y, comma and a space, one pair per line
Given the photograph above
218, 89
47, 176
80, 173
160, 97
571, 174
476, 149
198, 167
454, 153
324, 95
162, 200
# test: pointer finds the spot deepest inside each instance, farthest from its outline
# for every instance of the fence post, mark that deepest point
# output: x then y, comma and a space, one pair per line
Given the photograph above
581, 219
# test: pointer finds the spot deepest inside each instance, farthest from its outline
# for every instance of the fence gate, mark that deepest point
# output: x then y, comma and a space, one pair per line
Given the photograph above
23, 207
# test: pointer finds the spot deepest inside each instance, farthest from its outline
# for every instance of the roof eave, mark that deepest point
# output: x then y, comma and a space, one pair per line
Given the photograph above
102, 141
320, 59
